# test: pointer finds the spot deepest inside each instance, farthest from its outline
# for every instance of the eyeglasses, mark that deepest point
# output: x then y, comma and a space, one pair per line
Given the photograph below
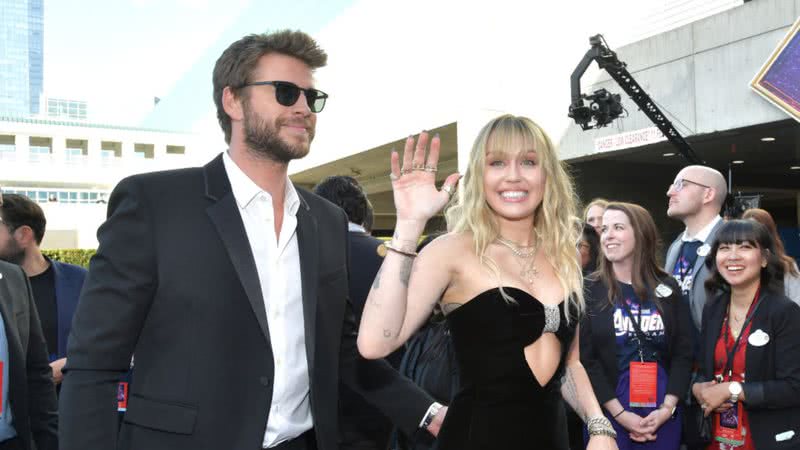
287, 93
680, 183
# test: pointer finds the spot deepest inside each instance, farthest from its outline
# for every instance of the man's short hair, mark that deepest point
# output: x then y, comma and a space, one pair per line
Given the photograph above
18, 210
236, 64
346, 193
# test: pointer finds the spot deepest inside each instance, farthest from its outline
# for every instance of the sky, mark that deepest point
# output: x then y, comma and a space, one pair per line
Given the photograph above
394, 67
120, 54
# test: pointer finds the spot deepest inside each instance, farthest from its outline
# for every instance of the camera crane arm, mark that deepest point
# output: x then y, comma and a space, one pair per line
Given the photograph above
606, 107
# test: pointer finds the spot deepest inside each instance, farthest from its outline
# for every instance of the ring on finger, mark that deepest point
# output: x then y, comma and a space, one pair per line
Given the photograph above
430, 168
393, 177
416, 166
404, 171
704, 406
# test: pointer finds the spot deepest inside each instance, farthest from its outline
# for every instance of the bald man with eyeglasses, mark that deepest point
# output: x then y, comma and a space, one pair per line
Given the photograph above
695, 198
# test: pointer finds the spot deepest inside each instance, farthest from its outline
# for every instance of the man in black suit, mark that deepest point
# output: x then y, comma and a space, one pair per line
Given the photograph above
362, 426
230, 286
28, 417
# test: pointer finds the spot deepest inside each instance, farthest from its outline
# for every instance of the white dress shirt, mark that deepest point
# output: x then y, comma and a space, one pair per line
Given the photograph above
701, 235
278, 265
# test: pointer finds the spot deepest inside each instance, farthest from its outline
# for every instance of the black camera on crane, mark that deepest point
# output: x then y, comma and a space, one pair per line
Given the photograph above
603, 108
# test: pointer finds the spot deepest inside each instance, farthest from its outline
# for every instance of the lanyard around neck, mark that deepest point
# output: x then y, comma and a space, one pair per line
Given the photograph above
726, 325
642, 337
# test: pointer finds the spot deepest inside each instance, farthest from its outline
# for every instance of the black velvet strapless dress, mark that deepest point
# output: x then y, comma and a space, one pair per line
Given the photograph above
501, 405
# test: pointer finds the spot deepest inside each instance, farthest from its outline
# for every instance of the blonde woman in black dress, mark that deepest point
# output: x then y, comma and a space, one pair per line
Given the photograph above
508, 278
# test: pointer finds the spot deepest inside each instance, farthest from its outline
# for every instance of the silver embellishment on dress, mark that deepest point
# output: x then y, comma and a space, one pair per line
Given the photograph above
552, 319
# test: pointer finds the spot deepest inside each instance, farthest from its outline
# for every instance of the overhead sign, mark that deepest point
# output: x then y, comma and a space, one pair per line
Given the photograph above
630, 139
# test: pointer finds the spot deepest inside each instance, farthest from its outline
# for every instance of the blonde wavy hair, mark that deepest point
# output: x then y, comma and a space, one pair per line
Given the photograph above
555, 220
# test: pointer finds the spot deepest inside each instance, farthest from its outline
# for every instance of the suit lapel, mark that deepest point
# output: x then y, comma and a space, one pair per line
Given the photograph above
308, 246
754, 355
224, 214
714, 324
16, 369
701, 259
672, 254
603, 321
63, 317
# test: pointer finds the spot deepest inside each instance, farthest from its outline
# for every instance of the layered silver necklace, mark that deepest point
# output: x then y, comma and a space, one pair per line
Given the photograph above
525, 257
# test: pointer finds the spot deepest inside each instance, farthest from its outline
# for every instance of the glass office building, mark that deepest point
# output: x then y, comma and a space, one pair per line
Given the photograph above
21, 56
66, 109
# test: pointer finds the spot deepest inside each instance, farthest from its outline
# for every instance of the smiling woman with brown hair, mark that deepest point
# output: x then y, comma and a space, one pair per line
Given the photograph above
635, 337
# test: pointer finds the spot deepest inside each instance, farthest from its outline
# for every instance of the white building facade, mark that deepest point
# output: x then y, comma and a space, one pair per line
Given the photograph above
70, 168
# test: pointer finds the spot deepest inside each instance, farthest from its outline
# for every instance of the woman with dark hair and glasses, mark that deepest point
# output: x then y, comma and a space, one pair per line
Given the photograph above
750, 354
791, 274
635, 340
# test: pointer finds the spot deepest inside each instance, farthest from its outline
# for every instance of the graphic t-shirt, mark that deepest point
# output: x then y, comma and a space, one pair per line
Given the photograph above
651, 323
683, 271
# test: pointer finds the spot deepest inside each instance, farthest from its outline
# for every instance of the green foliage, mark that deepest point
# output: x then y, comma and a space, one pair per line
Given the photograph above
79, 257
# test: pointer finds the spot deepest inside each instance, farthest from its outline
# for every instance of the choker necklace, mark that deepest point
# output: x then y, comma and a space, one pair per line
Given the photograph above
526, 256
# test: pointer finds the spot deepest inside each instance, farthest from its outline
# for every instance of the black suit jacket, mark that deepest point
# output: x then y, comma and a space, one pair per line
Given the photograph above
362, 425
365, 261
174, 280
772, 371
364, 264
31, 392
599, 348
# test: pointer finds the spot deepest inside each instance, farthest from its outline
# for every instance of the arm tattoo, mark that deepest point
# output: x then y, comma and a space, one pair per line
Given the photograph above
377, 283
405, 271
569, 390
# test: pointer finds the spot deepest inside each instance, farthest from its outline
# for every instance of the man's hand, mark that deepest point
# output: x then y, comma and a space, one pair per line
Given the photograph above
57, 366
436, 423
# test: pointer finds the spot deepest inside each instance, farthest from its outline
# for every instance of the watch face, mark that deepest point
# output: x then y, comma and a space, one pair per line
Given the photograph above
735, 388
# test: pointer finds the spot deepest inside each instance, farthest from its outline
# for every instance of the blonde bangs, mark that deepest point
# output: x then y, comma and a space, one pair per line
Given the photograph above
509, 139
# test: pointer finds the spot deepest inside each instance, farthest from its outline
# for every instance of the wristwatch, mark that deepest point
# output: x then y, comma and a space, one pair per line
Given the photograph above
433, 410
669, 408
735, 388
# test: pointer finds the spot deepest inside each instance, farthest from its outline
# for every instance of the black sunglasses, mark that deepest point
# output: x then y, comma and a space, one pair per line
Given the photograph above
287, 93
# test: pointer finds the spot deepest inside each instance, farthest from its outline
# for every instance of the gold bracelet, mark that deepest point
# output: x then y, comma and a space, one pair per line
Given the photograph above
390, 246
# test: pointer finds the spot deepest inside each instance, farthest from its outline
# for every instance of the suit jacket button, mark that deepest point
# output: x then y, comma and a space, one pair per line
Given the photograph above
265, 381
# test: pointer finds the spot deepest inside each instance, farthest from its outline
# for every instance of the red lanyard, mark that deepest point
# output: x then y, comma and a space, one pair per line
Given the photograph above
732, 352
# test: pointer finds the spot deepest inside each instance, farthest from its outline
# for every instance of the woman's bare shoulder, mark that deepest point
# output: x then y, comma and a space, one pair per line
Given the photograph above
450, 242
